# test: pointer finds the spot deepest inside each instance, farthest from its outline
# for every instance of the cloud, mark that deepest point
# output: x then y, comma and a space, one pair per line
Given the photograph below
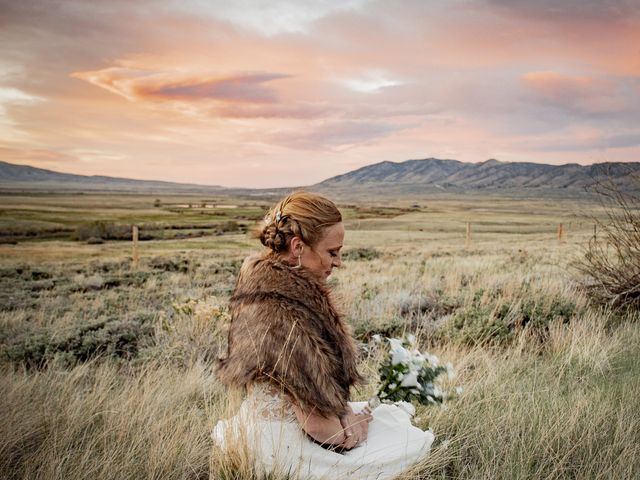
40, 156
576, 93
296, 110
371, 82
597, 142
144, 85
256, 95
572, 10
274, 17
224, 84
333, 135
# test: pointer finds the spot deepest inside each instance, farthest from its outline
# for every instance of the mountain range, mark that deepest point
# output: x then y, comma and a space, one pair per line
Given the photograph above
411, 177
24, 177
433, 175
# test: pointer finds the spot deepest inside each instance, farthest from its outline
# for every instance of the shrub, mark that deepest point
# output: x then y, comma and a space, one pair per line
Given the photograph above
363, 254
170, 265
229, 267
110, 337
391, 327
230, 226
430, 306
611, 261
489, 319
102, 230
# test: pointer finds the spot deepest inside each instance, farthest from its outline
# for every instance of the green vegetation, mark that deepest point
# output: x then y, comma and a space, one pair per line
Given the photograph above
612, 259
106, 366
493, 320
110, 217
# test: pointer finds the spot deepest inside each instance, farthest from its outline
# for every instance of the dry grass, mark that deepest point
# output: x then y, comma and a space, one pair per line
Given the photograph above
97, 421
612, 259
552, 399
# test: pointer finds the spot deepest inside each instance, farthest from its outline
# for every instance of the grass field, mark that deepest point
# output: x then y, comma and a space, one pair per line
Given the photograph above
106, 367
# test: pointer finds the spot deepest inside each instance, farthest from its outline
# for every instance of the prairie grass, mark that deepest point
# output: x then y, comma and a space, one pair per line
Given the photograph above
568, 410
550, 384
98, 421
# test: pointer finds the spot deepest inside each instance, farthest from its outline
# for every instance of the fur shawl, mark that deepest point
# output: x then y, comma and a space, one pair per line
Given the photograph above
285, 330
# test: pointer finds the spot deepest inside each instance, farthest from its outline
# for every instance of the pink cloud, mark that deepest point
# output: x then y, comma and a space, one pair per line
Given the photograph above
337, 134
40, 158
207, 95
583, 94
299, 110
157, 86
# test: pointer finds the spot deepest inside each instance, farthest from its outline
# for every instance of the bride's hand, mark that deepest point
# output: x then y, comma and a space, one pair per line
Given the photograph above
356, 428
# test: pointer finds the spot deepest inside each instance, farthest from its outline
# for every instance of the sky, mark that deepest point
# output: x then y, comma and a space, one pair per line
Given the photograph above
260, 93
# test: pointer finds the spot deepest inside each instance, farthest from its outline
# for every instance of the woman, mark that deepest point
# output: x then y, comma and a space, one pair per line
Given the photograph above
292, 351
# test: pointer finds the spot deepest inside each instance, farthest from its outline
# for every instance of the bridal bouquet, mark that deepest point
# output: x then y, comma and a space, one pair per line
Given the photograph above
408, 375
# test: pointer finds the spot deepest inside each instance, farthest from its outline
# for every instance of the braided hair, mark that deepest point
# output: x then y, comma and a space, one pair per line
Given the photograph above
300, 214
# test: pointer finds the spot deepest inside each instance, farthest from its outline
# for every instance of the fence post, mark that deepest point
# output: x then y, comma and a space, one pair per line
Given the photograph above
560, 232
136, 253
467, 242
595, 231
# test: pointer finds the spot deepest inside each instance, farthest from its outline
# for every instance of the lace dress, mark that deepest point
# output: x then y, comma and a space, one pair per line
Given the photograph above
266, 424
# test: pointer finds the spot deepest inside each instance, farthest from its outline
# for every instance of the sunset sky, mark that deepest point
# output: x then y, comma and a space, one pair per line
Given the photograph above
263, 93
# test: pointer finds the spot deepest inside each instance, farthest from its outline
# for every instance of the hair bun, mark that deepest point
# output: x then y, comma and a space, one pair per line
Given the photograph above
273, 238
301, 214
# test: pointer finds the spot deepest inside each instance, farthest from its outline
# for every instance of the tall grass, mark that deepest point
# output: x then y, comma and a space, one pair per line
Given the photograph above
98, 421
556, 396
564, 410
569, 410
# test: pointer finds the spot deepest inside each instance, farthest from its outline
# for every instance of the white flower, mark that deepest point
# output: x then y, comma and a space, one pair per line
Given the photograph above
417, 359
411, 339
399, 354
458, 390
399, 376
407, 407
376, 338
400, 357
393, 385
410, 379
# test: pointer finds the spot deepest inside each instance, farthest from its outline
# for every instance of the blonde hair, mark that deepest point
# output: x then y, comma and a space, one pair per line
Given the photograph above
301, 214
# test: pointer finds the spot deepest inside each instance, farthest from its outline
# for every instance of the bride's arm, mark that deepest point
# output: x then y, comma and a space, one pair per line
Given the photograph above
348, 431
326, 430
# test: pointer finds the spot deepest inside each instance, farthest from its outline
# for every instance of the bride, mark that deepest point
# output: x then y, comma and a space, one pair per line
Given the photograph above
292, 352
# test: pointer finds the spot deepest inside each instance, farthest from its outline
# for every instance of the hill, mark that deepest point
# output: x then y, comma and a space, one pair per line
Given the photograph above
23, 177
410, 178
436, 175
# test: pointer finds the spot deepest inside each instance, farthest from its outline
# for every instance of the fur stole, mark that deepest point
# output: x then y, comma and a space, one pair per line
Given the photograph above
285, 330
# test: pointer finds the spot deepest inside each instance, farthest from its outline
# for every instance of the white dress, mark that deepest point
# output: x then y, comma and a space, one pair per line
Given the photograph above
267, 426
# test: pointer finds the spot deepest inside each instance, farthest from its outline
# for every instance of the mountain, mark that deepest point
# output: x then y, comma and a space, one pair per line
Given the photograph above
24, 177
385, 179
436, 175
